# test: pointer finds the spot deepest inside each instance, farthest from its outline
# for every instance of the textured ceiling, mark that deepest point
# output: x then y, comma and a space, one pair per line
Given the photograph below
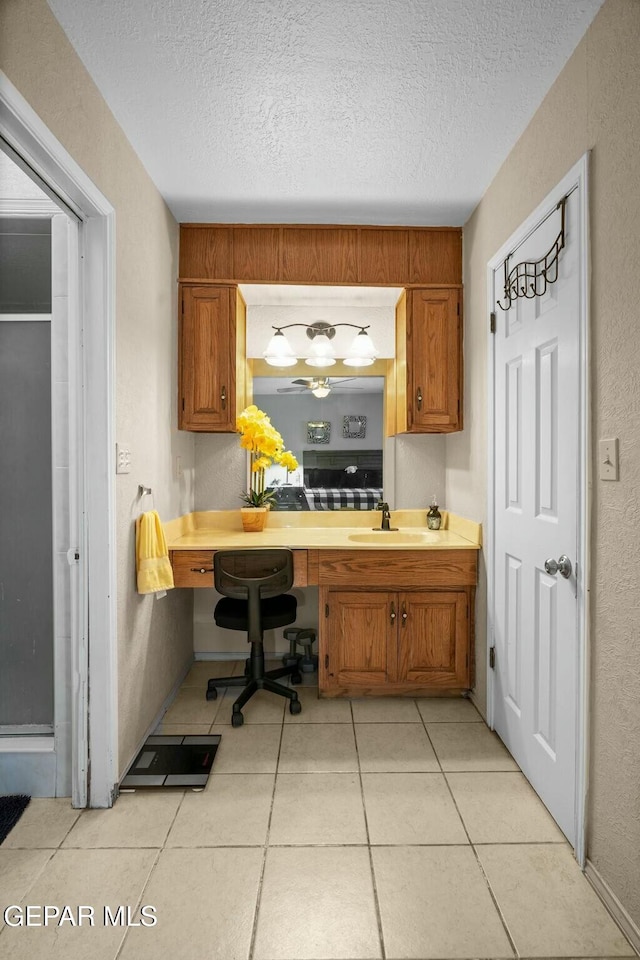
324, 111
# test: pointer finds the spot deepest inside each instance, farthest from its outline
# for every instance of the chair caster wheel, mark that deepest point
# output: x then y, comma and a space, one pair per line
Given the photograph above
295, 679
295, 707
212, 694
237, 719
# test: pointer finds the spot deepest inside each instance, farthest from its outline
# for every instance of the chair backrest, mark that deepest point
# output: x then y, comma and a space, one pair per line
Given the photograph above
235, 572
253, 575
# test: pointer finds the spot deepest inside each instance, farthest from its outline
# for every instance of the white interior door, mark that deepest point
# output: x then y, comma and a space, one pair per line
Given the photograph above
537, 429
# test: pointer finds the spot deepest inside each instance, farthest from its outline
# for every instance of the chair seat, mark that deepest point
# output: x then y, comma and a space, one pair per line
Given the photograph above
275, 612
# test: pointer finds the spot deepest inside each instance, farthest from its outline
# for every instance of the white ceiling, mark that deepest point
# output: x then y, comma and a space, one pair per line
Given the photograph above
324, 111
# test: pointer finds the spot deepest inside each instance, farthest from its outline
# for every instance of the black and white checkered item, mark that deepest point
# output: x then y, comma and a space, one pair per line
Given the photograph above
335, 498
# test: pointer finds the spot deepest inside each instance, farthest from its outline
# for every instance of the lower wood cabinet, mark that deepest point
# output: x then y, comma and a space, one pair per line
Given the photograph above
395, 641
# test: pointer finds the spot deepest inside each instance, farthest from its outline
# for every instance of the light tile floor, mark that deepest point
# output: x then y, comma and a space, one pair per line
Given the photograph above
358, 829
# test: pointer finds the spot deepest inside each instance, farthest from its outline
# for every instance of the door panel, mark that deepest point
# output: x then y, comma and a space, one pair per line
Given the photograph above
432, 638
536, 404
208, 359
361, 638
434, 362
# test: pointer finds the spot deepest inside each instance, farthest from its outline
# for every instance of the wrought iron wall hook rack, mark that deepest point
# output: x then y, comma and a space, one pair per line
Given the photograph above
530, 278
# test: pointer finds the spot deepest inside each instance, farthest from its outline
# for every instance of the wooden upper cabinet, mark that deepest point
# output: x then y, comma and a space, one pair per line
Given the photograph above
205, 252
211, 358
319, 255
435, 256
256, 254
331, 254
429, 361
384, 256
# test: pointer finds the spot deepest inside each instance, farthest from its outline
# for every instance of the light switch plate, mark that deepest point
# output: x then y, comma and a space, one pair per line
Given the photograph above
608, 453
123, 458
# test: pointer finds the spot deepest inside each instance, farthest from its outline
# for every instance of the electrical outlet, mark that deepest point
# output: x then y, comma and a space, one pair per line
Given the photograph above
123, 458
608, 452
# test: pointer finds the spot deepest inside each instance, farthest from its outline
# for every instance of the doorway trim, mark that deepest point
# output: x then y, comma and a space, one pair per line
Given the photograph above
92, 494
578, 176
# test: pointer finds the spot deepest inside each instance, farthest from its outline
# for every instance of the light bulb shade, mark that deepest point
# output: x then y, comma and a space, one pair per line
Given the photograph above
320, 361
279, 352
357, 362
321, 392
362, 351
321, 347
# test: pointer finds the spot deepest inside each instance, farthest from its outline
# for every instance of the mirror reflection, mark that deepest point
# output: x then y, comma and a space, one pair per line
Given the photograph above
334, 426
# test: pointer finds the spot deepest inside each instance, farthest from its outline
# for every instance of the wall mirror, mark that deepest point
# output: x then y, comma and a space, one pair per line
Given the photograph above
340, 468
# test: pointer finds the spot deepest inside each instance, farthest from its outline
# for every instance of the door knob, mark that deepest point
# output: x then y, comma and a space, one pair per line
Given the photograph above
561, 566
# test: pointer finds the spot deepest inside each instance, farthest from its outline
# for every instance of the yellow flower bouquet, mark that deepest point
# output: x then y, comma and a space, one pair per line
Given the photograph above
266, 447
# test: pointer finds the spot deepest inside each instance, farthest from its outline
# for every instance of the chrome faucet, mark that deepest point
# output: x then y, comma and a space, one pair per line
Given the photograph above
386, 516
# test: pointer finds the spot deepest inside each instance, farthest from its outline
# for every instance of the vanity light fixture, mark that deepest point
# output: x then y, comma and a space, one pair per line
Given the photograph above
362, 352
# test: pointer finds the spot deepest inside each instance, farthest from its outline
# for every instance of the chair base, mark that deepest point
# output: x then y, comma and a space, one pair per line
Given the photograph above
257, 678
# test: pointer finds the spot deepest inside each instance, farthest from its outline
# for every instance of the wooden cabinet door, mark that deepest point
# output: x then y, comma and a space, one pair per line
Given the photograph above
433, 638
361, 639
208, 357
430, 359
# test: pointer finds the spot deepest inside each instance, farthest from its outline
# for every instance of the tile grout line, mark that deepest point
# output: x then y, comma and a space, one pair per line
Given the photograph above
376, 901
122, 943
163, 847
254, 929
484, 875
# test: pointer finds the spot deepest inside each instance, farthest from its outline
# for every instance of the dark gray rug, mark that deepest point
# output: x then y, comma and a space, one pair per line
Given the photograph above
11, 809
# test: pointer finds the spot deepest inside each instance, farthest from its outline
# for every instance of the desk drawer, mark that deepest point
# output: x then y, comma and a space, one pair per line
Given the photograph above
397, 569
194, 568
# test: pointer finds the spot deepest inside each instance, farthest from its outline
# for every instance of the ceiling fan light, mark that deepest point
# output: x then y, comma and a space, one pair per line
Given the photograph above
279, 352
362, 351
321, 392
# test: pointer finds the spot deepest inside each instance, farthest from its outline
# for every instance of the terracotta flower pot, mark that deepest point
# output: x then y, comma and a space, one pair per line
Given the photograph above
253, 519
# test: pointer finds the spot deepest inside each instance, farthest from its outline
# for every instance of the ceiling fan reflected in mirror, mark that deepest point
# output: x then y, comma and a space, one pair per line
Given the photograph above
320, 386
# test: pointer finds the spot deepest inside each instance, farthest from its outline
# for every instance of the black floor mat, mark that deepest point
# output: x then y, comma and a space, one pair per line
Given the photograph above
173, 762
11, 809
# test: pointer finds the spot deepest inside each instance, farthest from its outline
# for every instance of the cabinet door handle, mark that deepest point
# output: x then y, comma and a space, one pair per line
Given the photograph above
201, 569
419, 398
223, 397
393, 613
404, 615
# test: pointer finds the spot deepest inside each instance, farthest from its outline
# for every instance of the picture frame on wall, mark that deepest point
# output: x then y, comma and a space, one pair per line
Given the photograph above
318, 431
354, 427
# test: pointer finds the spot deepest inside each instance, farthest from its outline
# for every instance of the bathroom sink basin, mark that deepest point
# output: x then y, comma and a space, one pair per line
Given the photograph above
393, 536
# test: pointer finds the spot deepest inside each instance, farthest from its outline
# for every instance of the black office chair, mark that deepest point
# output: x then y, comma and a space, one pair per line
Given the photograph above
254, 585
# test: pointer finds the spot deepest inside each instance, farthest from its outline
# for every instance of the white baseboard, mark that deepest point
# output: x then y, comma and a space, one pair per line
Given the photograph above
222, 655
613, 905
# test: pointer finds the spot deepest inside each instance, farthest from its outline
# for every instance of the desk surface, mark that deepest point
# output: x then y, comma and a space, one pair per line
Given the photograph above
333, 530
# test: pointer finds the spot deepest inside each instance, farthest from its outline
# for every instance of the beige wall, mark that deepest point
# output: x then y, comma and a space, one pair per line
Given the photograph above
594, 104
154, 637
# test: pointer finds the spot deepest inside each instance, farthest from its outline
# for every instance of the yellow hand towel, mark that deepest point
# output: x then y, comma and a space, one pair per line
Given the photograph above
152, 559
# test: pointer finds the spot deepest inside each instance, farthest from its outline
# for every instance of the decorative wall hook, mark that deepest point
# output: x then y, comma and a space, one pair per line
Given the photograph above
530, 278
